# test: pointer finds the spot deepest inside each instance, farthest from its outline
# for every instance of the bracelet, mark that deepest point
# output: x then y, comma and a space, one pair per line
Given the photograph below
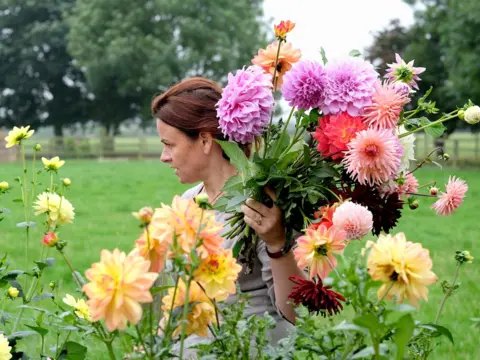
281, 252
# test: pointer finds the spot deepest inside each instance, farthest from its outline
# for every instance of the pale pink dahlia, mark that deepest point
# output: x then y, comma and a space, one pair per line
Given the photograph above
373, 156
350, 86
449, 201
355, 219
304, 85
408, 187
387, 104
334, 132
400, 71
246, 104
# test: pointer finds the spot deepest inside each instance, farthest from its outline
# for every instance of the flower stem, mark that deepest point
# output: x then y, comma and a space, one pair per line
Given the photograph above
283, 132
25, 209
3, 307
140, 338
448, 293
74, 273
267, 135
439, 121
386, 292
167, 328
187, 290
27, 298
334, 269
111, 353
59, 350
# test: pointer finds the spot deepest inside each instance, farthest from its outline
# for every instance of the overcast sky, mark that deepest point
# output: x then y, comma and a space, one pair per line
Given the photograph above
337, 25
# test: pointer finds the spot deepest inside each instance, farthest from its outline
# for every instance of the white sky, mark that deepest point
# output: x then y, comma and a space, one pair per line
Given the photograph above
337, 25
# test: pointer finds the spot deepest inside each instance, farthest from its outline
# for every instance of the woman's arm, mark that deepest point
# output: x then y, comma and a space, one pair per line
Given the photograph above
267, 222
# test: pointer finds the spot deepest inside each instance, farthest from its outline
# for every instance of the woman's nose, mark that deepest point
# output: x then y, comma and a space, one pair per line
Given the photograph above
165, 157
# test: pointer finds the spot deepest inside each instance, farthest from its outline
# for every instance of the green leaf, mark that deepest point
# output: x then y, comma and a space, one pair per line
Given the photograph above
354, 53
368, 321
40, 330
439, 330
43, 297
324, 57
236, 155
403, 333
424, 97
325, 171
238, 246
158, 289
12, 275
50, 262
25, 224
344, 326
368, 351
75, 351
235, 202
433, 130
280, 144
233, 184
21, 334
307, 159
18, 200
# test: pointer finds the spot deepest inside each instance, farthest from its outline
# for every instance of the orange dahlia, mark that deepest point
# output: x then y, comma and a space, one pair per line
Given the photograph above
287, 57
118, 284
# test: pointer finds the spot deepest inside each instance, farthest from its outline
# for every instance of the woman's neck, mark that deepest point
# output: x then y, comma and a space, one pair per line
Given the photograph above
216, 178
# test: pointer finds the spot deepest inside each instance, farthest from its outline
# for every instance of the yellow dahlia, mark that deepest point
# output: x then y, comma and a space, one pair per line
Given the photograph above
118, 284
201, 314
53, 164
4, 348
16, 135
153, 249
316, 249
80, 306
217, 274
59, 210
405, 267
182, 220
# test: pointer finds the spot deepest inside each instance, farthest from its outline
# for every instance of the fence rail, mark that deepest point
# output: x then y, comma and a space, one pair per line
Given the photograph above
463, 148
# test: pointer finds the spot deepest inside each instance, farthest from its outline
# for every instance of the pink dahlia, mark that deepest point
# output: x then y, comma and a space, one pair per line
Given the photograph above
452, 199
373, 156
400, 71
350, 86
246, 104
387, 104
304, 85
356, 220
334, 132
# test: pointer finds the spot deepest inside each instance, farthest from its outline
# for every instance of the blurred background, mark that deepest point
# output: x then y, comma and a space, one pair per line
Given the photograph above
83, 73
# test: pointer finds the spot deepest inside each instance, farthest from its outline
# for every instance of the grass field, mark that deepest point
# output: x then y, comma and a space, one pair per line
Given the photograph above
105, 193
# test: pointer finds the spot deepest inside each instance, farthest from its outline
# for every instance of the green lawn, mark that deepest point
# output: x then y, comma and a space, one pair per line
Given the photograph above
105, 193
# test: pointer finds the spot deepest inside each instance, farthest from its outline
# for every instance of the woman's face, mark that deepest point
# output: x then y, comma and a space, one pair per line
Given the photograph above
184, 154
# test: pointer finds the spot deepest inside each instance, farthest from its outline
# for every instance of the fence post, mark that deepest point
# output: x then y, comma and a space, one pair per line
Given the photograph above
456, 153
477, 145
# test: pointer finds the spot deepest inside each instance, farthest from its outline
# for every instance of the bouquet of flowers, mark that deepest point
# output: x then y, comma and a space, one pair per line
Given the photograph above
348, 161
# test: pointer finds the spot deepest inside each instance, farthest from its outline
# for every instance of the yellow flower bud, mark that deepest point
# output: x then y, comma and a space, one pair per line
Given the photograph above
144, 215
3, 185
50, 239
13, 292
37, 147
67, 182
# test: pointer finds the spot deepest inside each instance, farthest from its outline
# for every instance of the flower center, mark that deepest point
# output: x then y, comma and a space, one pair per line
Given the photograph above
322, 250
213, 265
404, 73
394, 276
371, 150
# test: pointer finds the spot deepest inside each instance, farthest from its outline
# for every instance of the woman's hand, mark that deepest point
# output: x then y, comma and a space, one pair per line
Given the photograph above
267, 222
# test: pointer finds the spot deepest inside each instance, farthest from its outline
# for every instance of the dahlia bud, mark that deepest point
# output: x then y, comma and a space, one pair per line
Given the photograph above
434, 191
413, 204
52, 285
461, 114
13, 292
144, 215
3, 186
202, 201
67, 182
472, 115
282, 29
446, 156
402, 88
463, 257
37, 147
50, 239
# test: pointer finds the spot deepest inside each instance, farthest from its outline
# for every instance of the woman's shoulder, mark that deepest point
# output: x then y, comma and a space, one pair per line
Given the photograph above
192, 192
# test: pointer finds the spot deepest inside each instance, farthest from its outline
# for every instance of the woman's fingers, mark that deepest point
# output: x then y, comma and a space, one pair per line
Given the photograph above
257, 206
252, 214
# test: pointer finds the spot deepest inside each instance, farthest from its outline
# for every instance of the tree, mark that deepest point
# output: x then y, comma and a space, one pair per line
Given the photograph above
43, 87
132, 50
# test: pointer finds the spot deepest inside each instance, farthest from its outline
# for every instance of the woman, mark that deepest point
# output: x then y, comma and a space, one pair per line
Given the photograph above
187, 125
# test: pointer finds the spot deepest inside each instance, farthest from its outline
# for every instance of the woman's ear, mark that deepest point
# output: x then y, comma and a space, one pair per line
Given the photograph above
206, 139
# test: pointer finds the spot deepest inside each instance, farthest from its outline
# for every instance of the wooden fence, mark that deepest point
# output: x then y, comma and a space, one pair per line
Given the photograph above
463, 148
